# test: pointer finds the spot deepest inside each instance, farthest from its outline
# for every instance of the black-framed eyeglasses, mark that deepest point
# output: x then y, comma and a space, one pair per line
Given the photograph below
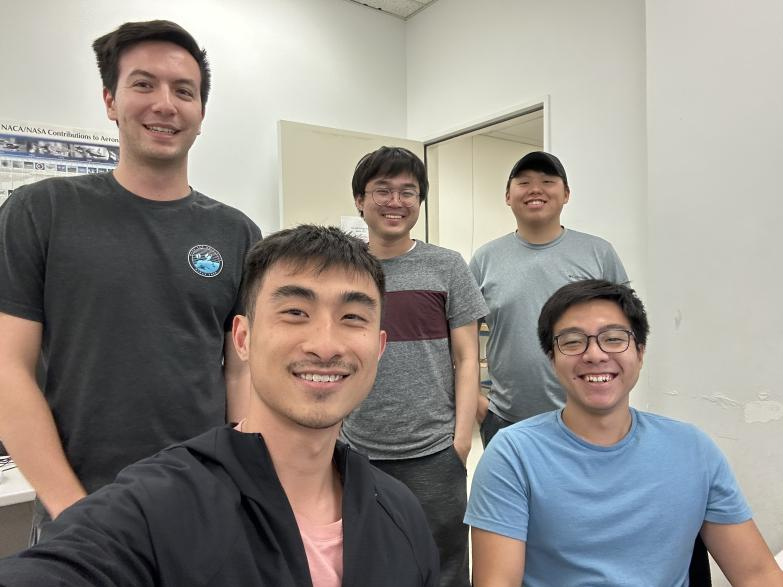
384, 196
614, 340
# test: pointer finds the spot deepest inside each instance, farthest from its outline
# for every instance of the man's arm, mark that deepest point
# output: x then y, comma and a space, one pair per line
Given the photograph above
104, 540
27, 427
464, 354
482, 405
742, 554
238, 387
498, 561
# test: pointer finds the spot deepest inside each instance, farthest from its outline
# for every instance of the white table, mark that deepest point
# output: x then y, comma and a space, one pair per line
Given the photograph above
16, 511
14, 488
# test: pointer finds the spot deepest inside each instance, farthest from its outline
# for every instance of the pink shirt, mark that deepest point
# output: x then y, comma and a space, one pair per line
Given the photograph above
324, 548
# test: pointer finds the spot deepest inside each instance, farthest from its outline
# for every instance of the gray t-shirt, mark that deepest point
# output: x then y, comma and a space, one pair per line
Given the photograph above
516, 278
135, 297
410, 411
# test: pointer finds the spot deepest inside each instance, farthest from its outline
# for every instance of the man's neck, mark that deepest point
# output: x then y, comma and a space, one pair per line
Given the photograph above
540, 234
303, 461
388, 249
157, 183
602, 430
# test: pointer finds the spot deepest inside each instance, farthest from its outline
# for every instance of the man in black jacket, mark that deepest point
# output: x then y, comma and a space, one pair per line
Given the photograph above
275, 500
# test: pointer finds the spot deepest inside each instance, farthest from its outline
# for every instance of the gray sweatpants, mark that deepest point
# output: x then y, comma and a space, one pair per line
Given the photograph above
439, 481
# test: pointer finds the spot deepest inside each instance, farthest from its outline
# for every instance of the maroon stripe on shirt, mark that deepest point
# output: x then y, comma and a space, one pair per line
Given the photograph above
415, 315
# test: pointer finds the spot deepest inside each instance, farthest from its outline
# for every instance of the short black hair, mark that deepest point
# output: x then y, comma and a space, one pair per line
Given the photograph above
587, 290
389, 162
109, 48
307, 245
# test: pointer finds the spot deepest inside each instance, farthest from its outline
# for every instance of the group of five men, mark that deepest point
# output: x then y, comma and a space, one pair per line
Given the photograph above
205, 324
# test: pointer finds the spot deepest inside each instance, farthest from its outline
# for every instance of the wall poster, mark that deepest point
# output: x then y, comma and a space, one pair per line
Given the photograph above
31, 151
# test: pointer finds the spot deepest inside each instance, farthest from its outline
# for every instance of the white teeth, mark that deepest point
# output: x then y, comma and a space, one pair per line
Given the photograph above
318, 378
159, 129
598, 378
393, 216
536, 202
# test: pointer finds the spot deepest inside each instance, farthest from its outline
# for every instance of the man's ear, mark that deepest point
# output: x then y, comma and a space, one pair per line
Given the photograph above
382, 338
567, 196
358, 200
108, 101
240, 334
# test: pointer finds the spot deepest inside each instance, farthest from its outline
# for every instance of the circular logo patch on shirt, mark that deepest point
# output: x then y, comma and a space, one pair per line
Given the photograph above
205, 260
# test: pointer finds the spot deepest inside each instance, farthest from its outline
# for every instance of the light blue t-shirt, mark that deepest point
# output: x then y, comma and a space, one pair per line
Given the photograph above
626, 514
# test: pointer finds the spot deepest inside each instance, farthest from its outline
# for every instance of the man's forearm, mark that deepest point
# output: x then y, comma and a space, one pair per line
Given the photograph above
466, 392
29, 433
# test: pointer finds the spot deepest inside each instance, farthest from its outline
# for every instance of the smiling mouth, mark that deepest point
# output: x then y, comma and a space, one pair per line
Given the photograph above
161, 129
598, 377
393, 216
535, 203
321, 377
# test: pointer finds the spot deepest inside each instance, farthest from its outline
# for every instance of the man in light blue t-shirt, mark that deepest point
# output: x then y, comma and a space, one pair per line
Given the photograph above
599, 493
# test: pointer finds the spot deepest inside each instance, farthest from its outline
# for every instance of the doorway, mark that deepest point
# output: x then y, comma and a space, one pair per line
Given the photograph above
468, 169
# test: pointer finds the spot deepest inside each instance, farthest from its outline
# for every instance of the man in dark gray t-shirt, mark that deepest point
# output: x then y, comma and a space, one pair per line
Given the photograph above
417, 422
125, 284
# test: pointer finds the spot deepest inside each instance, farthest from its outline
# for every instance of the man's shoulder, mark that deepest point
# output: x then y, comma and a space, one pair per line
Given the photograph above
530, 430
584, 239
669, 428
431, 253
229, 213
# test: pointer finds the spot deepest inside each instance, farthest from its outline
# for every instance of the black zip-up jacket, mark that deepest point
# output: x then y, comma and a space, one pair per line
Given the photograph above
211, 512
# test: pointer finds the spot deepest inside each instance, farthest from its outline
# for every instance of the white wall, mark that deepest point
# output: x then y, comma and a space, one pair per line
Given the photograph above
324, 62
714, 217
469, 60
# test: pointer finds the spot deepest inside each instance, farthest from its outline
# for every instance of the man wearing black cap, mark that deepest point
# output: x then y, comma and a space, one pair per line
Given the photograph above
517, 273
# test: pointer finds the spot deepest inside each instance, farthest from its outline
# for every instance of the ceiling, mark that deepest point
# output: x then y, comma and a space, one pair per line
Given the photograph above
403, 9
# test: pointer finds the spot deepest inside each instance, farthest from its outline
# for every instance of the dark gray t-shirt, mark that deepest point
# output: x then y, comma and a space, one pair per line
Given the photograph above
516, 278
410, 411
135, 297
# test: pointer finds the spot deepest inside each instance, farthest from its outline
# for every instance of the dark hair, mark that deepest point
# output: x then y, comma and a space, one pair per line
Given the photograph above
307, 245
109, 47
389, 162
587, 290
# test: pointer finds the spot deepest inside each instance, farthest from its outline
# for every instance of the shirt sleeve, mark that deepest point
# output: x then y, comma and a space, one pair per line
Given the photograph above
23, 244
725, 502
465, 302
499, 494
613, 267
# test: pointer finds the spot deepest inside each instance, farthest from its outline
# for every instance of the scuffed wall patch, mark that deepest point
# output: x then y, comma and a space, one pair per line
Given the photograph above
723, 401
763, 410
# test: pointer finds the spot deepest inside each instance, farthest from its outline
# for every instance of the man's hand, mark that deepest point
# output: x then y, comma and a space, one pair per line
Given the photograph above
463, 450
26, 423
482, 408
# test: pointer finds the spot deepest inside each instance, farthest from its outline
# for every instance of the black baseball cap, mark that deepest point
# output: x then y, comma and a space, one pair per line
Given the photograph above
540, 161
